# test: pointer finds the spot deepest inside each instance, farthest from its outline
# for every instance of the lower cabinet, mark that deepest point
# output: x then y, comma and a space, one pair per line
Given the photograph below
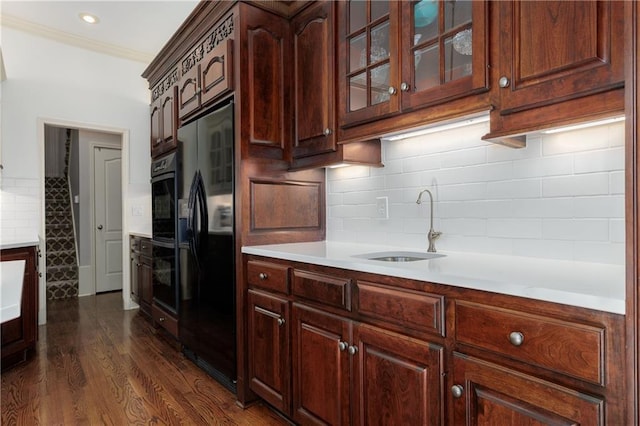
268, 344
321, 351
337, 347
19, 335
141, 273
487, 394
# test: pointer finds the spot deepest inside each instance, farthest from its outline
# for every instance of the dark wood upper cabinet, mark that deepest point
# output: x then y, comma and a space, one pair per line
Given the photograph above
399, 56
205, 81
368, 60
443, 51
265, 97
163, 120
557, 62
314, 95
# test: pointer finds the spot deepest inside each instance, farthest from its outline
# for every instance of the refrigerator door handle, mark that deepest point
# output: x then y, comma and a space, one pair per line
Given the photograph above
192, 218
201, 196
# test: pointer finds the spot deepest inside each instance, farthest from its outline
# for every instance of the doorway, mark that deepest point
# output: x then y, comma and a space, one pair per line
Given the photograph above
86, 165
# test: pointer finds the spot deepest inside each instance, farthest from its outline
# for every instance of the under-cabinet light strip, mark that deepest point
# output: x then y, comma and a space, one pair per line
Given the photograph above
438, 128
583, 125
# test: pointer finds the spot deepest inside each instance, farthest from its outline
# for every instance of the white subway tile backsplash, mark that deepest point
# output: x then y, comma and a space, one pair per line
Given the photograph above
560, 197
514, 189
609, 207
584, 229
616, 182
599, 161
576, 185
514, 228
617, 230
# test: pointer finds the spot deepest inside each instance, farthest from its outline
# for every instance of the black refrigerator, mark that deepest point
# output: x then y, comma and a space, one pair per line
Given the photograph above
207, 326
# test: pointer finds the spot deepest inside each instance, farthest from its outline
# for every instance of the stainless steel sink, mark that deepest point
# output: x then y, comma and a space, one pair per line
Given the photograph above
399, 256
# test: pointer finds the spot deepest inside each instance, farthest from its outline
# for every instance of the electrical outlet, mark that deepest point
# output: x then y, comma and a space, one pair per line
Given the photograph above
382, 207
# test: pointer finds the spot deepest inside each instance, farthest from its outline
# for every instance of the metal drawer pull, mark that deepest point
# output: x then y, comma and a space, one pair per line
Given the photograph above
457, 391
280, 322
263, 276
516, 338
353, 350
342, 346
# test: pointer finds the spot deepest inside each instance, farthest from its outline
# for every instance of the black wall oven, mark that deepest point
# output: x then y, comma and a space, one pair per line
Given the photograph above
164, 227
163, 198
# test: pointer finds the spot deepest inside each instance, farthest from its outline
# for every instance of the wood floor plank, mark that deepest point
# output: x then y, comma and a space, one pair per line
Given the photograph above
96, 364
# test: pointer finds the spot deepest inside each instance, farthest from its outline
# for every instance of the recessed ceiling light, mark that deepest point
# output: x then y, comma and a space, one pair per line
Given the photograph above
89, 18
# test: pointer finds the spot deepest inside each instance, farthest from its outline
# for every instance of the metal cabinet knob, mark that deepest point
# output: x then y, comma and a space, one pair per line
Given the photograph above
516, 338
404, 87
263, 276
281, 322
353, 350
342, 346
327, 131
161, 319
392, 90
457, 391
503, 82
100, 227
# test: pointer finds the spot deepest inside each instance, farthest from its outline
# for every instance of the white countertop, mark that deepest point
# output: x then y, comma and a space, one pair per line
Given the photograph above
17, 242
11, 279
140, 234
590, 285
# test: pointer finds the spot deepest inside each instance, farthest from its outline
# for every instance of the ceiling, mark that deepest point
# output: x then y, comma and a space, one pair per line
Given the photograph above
135, 30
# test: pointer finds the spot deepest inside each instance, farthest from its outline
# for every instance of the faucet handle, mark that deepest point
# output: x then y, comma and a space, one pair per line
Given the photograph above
435, 234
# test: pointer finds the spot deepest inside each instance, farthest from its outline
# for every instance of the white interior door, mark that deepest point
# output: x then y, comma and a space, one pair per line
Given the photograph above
108, 219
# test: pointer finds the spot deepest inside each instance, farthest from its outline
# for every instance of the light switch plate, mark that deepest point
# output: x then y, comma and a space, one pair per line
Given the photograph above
382, 207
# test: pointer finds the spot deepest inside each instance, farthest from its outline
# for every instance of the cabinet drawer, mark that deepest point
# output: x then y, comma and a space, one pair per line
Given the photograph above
411, 309
332, 291
145, 247
566, 347
269, 276
164, 320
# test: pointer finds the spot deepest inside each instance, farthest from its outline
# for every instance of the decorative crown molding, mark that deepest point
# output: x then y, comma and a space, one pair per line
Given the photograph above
74, 40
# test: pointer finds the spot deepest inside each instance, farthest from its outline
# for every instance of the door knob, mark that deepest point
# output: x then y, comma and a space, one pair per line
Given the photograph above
100, 227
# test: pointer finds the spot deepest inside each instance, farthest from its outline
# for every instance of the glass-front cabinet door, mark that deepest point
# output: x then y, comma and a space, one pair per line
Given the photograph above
402, 55
368, 60
443, 50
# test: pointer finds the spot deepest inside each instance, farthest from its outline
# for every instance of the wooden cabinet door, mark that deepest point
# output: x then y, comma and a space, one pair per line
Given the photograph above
156, 126
368, 60
265, 98
397, 379
320, 367
145, 283
487, 394
552, 51
443, 51
314, 96
189, 92
18, 335
268, 340
216, 72
163, 123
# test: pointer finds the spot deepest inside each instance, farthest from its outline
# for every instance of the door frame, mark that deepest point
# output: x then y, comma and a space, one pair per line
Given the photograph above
92, 209
125, 141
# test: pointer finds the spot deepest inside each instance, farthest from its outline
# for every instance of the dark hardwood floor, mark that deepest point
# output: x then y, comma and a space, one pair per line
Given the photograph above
96, 364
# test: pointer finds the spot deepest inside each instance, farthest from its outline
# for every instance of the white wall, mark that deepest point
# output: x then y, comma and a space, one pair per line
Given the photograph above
48, 81
561, 197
